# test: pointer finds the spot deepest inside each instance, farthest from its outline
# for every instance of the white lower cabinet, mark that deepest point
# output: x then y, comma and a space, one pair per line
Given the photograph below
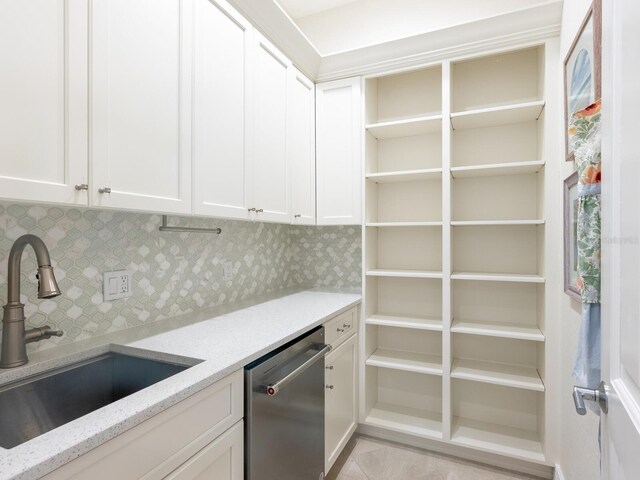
200, 437
340, 398
222, 459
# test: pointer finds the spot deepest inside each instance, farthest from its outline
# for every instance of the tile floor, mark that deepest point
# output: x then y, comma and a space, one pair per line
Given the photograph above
365, 458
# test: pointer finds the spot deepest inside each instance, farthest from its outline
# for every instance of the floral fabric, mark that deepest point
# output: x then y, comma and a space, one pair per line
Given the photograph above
584, 132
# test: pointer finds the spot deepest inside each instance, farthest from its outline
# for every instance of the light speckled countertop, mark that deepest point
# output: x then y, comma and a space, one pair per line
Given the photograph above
226, 339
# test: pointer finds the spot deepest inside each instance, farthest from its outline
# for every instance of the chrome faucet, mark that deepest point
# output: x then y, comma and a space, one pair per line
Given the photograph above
14, 336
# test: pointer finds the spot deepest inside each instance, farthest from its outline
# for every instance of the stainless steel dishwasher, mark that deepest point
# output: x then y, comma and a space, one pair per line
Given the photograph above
284, 411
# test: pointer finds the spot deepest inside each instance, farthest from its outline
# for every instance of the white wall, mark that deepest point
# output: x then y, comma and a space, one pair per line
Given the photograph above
579, 454
369, 22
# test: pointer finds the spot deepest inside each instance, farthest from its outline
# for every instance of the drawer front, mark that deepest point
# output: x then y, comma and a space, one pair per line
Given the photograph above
156, 447
340, 328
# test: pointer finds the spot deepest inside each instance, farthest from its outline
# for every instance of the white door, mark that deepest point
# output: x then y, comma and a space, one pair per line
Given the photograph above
302, 149
271, 198
339, 134
621, 240
140, 137
222, 89
43, 100
340, 399
222, 459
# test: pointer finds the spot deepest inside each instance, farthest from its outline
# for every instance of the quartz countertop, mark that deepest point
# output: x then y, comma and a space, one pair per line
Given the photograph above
217, 342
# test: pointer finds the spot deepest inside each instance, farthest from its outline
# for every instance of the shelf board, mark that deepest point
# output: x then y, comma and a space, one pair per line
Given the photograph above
406, 420
494, 116
496, 169
489, 437
404, 273
489, 223
403, 224
406, 175
516, 331
406, 321
497, 374
498, 277
406, 361
406, 127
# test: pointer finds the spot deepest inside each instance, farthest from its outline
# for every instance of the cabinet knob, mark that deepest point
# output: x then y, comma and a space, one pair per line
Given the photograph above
330, 387
104, 190
82, 186
297, 215
330, 367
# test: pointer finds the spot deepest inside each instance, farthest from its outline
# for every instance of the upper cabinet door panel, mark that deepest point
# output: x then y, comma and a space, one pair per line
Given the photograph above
270, 163
302, 149
339, 152
221, 110
43, 98
141, 104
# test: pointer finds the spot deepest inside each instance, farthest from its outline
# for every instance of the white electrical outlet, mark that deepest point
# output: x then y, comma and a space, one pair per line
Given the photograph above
227, 271
116, 284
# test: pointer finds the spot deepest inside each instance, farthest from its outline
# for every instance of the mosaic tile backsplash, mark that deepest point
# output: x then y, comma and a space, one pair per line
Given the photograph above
173, 273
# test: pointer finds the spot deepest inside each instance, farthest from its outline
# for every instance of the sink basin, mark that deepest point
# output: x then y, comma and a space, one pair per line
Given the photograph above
33, 406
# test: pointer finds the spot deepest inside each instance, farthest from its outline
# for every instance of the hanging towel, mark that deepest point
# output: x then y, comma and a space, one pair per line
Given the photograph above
585, 139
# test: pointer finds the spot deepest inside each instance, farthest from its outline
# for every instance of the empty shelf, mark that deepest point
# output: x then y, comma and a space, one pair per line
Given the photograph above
404, 224
494, 116
405, 321
489, 437
404, 273
498, 277
406, 420
503, 330
485, 223
406, 361
495, 169
406, 175
497, 374
406, 127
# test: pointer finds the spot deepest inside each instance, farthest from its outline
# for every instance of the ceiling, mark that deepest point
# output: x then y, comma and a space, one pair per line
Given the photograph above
302, 8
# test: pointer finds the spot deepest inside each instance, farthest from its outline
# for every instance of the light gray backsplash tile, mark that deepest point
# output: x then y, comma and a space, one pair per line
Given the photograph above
173, 273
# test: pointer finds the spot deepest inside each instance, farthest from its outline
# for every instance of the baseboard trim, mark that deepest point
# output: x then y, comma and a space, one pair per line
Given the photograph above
558, 475
538, 470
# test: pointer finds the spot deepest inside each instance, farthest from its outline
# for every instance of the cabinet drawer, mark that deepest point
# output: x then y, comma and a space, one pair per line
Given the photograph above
156, 447
341, 327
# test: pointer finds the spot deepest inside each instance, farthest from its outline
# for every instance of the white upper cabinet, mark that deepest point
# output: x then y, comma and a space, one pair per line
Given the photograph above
222, 110
270, 192
339, 152
43, 98
302, 149
140, 135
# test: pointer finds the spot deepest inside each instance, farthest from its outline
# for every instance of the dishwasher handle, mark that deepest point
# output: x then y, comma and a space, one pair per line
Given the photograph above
273, 389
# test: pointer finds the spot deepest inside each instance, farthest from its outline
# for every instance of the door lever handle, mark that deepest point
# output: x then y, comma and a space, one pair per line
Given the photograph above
599, 395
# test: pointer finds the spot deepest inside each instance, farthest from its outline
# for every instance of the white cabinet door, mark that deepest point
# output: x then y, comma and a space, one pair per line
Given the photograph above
302, 149
339, 152
140, 136
43, 99
340, 401
222, 459
270, 166
222, 89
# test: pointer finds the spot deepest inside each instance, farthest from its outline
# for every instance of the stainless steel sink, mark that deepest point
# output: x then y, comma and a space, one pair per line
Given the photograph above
33, 406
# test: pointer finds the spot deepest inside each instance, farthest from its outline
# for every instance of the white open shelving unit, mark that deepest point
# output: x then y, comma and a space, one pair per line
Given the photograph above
454, 345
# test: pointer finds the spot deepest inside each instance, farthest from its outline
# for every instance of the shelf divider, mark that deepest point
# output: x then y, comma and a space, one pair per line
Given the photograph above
495, 116
406, 175
406, 361
497, 374
403, 224
406, 127
406, 321
404, 273
497, 223
497, 169
516, 331
498, 277
406, 420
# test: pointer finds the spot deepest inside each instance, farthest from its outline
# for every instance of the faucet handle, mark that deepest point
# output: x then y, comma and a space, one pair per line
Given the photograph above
53, 333
41, 333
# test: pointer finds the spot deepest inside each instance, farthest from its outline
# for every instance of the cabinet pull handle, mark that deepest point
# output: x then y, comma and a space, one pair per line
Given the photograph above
330, 367
104, 190
330, 387
251, 209
297, 215
82, 186
340, 329
258, 210
346, 326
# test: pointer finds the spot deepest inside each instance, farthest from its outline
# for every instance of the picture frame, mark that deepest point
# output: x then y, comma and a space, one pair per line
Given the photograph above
583, 70
571, 237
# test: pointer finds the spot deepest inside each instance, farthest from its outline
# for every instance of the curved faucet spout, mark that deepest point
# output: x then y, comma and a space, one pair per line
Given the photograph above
14, 335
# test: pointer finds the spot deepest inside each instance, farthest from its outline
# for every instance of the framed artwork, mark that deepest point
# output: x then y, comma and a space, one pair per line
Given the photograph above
571, 237
582, 70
